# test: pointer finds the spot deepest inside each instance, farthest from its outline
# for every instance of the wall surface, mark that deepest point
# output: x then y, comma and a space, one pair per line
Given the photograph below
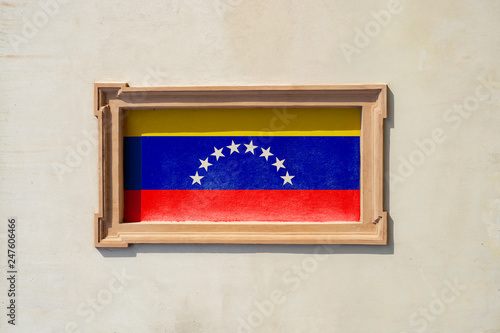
440, 59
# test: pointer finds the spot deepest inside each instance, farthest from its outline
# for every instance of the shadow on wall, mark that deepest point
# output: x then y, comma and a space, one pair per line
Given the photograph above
132, 250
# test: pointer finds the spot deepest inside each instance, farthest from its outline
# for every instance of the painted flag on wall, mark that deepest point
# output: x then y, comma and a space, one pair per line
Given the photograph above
293, 165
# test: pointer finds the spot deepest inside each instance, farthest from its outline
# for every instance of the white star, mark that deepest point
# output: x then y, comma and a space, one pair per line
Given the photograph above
279, 164
233, 147
196, 178
217, 153
205, 164
287, 179
266, 153
250, 147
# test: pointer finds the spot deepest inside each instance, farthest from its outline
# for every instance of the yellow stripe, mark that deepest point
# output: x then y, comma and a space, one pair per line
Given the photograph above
257, 133
244, 122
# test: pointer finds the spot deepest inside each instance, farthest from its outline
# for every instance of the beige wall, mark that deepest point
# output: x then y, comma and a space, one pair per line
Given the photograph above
440, 60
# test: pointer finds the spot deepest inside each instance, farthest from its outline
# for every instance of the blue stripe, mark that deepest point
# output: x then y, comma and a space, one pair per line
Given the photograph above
132, 163
329, 163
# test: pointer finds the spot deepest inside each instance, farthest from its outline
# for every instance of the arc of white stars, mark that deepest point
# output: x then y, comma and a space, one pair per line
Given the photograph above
250, 147
233, 147
205, 164
287, 179
196, 178
217, 153
279, 164
266, 153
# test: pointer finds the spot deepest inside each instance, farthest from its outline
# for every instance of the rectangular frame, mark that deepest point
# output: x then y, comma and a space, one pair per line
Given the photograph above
113, 99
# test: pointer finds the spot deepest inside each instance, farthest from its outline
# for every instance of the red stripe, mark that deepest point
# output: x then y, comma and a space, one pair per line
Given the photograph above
246, 205
132, 202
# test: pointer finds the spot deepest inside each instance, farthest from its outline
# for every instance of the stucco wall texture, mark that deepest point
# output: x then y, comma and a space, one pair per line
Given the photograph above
441, 270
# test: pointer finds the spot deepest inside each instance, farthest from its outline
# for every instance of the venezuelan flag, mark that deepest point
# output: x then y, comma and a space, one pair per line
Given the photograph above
261, 164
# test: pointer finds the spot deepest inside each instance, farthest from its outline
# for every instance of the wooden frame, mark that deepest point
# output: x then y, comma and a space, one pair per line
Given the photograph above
111, 100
